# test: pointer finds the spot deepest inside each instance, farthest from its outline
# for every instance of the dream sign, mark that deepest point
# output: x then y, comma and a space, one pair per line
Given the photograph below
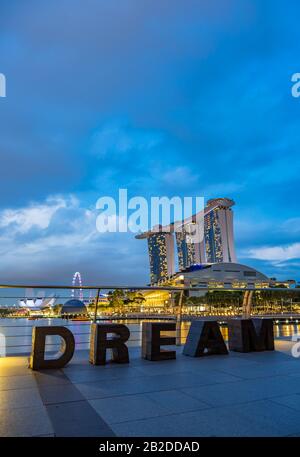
204, 339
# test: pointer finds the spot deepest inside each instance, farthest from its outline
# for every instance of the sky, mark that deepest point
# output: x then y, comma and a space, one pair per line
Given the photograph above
168, 97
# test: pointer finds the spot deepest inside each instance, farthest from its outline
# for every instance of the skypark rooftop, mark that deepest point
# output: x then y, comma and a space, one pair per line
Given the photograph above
177, 225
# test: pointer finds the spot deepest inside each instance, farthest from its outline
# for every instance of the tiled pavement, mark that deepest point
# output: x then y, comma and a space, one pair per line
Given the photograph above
256, 394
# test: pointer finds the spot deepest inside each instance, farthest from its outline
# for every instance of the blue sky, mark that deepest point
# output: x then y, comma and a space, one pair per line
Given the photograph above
168, 97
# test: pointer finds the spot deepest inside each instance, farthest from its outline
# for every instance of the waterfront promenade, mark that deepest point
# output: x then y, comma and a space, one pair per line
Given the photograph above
254, 394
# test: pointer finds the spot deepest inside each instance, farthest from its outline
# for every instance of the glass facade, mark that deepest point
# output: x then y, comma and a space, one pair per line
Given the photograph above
181, 250
213, 239
161, 256
189, 253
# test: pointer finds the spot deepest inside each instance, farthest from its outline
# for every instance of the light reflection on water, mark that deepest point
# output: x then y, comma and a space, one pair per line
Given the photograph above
17, 332
280, 331
286, 330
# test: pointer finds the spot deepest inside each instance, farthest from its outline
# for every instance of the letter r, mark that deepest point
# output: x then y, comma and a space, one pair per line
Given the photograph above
100, 342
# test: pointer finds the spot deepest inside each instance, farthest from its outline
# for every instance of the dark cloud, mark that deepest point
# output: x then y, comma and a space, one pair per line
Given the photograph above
164, 98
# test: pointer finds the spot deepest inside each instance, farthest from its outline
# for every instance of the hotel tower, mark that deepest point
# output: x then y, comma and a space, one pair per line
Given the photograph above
217, 244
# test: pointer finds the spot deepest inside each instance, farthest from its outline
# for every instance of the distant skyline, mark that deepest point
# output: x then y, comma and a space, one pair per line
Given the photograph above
162, 98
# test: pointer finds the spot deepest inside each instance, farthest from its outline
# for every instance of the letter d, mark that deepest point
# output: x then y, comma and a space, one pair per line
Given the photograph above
37, 357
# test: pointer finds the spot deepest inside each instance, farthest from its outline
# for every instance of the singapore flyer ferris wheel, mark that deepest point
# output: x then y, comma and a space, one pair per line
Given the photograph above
77, 281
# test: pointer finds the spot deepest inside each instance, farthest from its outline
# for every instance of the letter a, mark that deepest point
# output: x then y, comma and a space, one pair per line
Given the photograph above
204, 338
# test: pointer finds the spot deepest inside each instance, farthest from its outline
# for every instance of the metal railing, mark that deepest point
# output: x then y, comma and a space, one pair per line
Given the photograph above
19, 341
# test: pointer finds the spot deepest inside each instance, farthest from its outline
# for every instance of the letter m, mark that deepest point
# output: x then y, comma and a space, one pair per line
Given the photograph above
251, 335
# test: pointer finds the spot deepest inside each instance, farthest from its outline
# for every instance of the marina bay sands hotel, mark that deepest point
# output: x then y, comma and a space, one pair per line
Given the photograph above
216, 245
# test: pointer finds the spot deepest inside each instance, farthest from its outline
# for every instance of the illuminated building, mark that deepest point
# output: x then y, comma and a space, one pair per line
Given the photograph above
36, 304
218, 231
217, 244
155, 299
74, 306
161, 256
223, 275
188, 253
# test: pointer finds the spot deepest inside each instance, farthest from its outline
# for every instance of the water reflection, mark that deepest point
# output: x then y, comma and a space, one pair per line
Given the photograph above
286, 330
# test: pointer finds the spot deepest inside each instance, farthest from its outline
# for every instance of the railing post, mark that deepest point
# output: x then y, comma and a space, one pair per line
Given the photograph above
178, 319
247, 304
96, 305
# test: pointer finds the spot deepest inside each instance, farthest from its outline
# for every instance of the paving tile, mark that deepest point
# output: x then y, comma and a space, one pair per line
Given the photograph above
174, 401
151, 368
126, 408
86, 365
115, 387
186, 379
215, 422
59, 393
20, 398
29, 421
50, 377
216, 361
96, 373
266, 357
17, 382
252, 419
244, 391
14, 371
265, 414
260, 370
81, 360
253, 394
292, 401
77, 419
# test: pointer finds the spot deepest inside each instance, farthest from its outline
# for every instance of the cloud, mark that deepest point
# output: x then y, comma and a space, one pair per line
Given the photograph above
33, 216
63, 240
223, 188
291, 226
116, 138
275, 253
165, 100
181, 175
58, 222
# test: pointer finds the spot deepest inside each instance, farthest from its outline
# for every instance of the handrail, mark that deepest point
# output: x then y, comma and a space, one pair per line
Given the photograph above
105, 287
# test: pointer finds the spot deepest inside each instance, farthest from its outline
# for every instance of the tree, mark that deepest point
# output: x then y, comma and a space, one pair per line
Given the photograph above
116, 299
57, 309
177, 299
134, 298
4, 312
195, 300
